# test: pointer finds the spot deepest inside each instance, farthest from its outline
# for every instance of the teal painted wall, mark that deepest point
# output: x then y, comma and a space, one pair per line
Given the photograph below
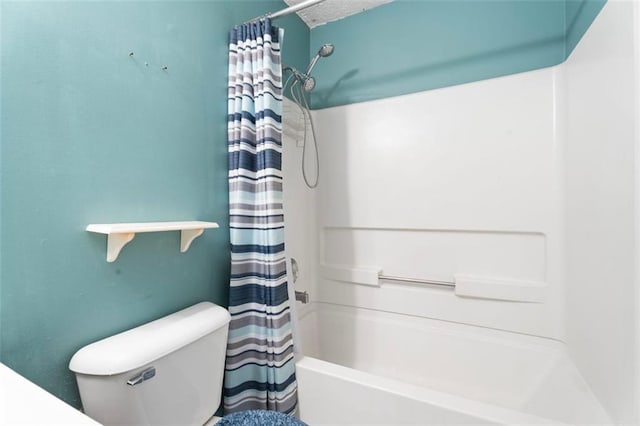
90, 135
410, 46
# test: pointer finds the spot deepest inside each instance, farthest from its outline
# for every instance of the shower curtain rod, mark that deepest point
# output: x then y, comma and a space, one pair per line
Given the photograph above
289, 10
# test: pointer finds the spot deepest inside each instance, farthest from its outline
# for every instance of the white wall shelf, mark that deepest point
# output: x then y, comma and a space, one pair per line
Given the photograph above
119, 234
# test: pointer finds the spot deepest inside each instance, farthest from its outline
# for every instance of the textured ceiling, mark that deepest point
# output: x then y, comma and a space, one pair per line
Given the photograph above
332, 10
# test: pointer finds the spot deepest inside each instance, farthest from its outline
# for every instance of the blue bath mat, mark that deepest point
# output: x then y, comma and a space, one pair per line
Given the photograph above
259, 418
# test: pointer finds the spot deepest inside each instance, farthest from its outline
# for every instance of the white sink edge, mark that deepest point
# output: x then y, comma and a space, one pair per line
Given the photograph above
25, 403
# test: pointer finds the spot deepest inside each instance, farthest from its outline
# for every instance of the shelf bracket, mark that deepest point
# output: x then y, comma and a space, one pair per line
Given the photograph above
115, 243
187, 236
119, 234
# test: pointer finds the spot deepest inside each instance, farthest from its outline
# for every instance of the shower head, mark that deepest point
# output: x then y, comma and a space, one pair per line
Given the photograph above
308, 83
325, 50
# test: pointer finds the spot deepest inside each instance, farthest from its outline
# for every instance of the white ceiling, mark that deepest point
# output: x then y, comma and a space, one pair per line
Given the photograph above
332, 10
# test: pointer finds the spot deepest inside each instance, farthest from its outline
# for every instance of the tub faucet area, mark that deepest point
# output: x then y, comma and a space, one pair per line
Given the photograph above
302, 296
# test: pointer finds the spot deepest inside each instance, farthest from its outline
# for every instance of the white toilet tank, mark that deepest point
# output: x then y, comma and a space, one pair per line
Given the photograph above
166, 372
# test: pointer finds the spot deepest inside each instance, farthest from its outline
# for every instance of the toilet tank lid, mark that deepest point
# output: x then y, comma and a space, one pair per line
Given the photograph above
139, 346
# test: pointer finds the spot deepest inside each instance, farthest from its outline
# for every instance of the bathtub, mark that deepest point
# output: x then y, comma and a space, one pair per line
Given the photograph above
369, 367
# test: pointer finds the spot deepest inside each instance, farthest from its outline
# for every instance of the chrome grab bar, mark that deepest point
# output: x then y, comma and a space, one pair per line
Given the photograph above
416, 281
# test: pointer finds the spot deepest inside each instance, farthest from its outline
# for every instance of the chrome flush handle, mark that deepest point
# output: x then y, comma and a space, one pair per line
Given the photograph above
147, 374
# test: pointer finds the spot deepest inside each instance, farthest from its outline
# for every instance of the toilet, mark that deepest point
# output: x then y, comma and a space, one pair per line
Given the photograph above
166, 372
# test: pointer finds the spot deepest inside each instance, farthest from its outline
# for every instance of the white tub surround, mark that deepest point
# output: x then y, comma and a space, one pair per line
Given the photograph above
462, 181
521, 195
603, 160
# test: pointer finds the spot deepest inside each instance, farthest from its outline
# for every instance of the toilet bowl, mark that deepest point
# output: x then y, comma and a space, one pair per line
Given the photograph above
166, 372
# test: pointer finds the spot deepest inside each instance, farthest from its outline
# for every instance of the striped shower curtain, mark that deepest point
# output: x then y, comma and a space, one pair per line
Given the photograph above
260, 370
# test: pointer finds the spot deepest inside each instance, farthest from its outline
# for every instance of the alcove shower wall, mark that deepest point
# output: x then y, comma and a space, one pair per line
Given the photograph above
526, 177
461, 180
